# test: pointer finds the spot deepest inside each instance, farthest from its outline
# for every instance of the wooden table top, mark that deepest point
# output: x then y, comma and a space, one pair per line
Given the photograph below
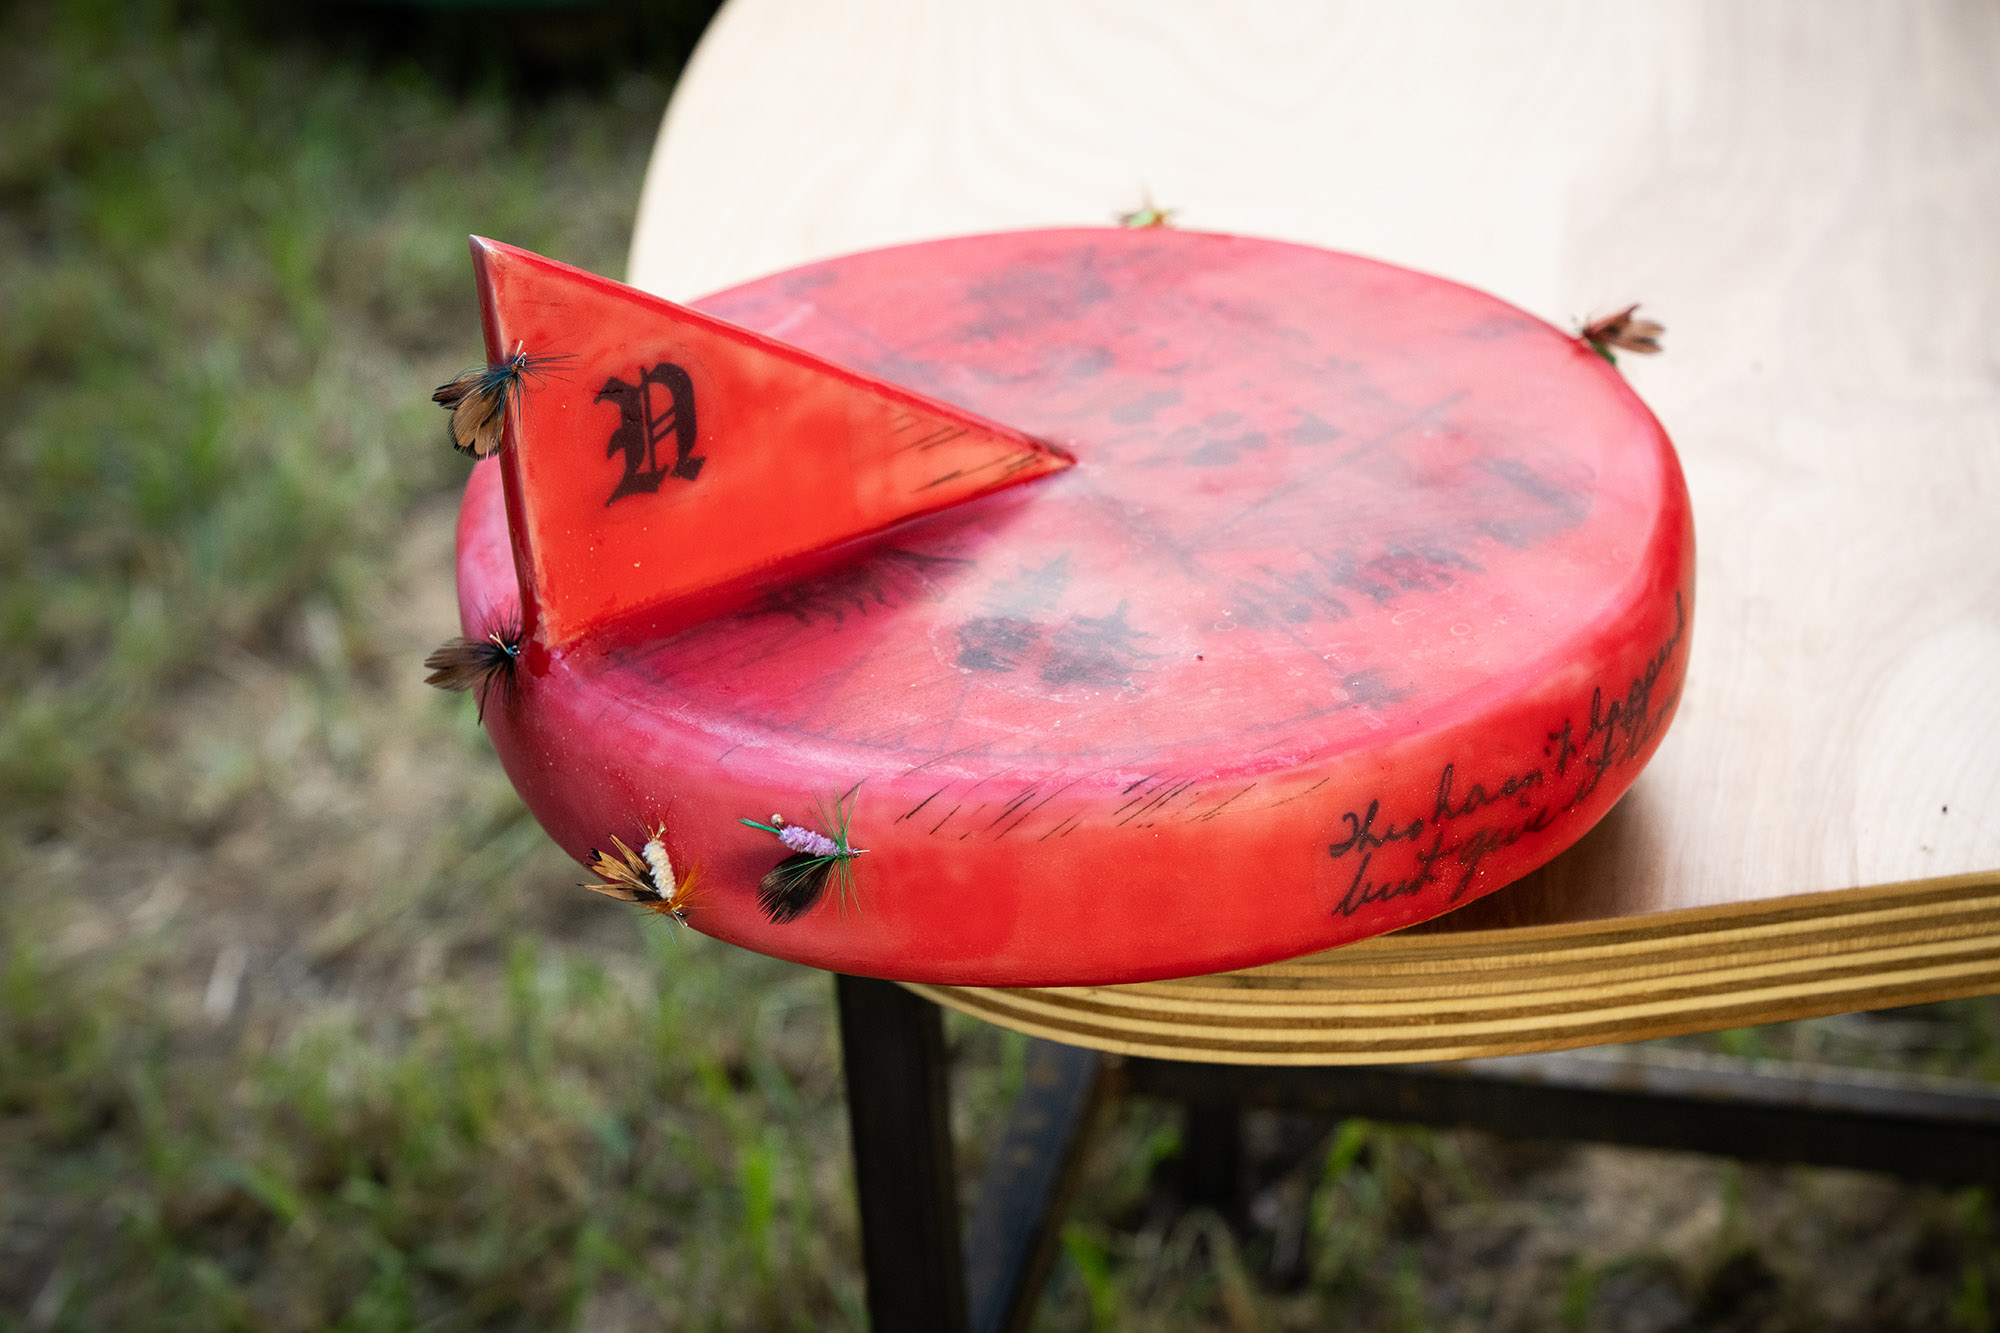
1807, 200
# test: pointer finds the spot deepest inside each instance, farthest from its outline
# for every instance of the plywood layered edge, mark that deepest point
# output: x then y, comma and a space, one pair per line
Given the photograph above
1505, 992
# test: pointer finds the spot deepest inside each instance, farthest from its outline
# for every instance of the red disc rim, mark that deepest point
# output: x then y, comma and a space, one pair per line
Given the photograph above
1351, 555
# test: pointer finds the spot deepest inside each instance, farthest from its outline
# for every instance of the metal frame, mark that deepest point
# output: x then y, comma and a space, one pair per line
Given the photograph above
919, 1278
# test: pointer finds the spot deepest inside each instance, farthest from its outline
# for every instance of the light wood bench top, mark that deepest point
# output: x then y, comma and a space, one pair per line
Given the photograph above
1808, 198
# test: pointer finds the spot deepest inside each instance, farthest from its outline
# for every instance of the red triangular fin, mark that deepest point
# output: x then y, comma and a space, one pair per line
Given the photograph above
660, 460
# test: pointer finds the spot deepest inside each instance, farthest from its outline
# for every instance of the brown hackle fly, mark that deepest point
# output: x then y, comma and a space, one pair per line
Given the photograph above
645, 877
479, 399
478, 665
1625, 331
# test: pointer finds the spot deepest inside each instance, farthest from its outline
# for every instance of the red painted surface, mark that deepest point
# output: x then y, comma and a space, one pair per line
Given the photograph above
1368, 594
665, 465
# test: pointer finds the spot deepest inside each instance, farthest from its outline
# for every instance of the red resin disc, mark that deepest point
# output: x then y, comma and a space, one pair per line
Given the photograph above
1368, 594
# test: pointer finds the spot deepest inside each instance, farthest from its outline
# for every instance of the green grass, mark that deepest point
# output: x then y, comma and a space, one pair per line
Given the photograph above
229, 268
576, 1139
303, 1023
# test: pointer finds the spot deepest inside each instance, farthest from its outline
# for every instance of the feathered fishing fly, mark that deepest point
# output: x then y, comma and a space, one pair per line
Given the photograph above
478, 664
793, 885
479, 399
645, 877
1625, 331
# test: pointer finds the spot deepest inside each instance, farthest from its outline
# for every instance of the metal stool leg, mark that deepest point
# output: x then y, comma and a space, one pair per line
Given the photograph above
899, 1113
1212, 1156
1017, 1218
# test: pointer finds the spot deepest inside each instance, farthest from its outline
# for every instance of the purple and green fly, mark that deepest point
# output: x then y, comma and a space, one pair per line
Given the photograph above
795, 884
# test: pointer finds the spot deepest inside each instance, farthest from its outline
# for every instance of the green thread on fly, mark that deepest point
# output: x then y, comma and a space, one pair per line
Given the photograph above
1147, 214
1625, 331
791, 887
645, 877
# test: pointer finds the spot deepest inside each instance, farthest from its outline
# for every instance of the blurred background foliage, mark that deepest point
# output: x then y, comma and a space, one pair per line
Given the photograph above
231, 257
302, 1023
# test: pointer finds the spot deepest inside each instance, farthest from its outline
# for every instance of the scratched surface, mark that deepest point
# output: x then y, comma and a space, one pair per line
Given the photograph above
1319, 500
1367, 594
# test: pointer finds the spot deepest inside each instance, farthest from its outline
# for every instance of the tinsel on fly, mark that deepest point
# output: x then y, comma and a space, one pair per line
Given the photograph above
479, 399
791, 887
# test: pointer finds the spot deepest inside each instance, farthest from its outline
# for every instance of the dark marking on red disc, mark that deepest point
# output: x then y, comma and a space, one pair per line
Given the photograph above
1368, 593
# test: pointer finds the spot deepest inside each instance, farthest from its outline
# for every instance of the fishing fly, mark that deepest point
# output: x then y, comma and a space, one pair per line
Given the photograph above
645, 877
1625, 331
1147, 214
478, 400
793, 885
478, 664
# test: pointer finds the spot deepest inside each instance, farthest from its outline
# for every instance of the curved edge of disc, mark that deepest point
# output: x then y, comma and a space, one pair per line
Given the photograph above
1318, 854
